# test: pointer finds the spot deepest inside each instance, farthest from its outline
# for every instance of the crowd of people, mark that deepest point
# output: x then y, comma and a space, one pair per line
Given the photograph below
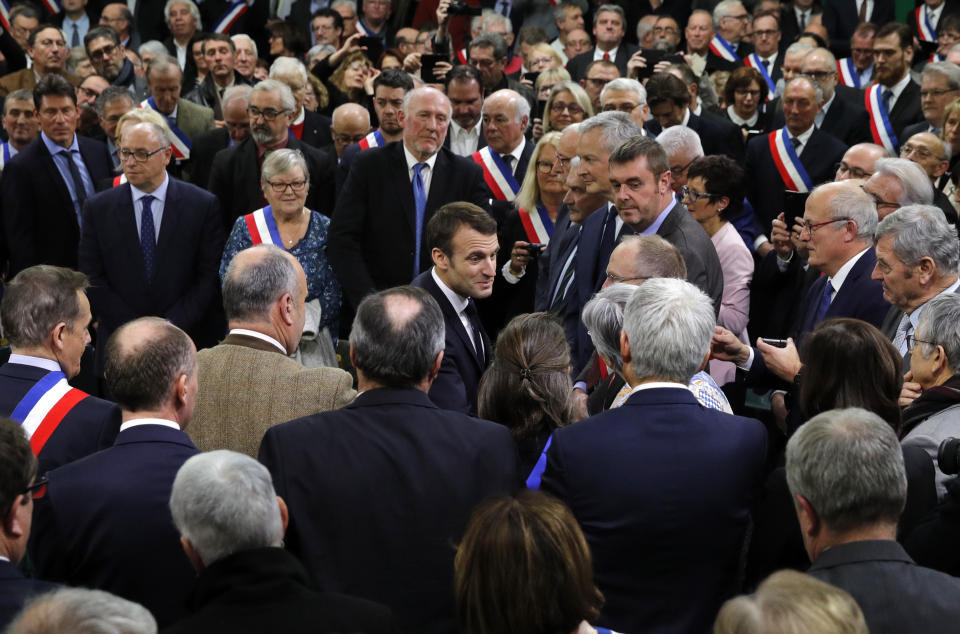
554, 317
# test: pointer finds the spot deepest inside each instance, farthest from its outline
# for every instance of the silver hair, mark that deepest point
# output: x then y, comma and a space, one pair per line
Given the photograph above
224, 502
616, 127
250, 289
947, 70
797, 47
194, 11
831, 59
939, 325
722, 10
423, 90
284, 65
490, 18
344, 3
917, 188
669, 323
848, 464
679, 138
317, 49
853, 203
272, 85
612, 8
521, 107
603, 317
236, 92
154, 47
817, 88
921, 231
83, 611
560, 11
625, 84
246, 38
36, 300
161, 64
282, 161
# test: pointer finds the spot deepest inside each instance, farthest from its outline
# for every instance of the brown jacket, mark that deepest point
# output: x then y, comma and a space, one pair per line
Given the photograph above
247, 386
26, 78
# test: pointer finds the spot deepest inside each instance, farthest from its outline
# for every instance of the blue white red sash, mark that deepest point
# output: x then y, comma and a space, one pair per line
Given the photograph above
936, 57
792, 171
44, 407
724, 49
5, 14
498, 176
53, 6
262, 227
538, 226
227, 20
462, 55
848, 72
880, 126
925, 30
181, 142
119, 180
363, 29
5, 154
753, 61
374, 139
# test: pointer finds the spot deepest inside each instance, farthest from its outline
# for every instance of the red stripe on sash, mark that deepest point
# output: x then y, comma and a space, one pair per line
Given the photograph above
53, 419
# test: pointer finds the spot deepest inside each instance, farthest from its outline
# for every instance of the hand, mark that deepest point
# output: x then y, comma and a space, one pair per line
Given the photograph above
219, 124
764, 248
578, 399
440, 71
526, 81
519, 257
635, 63
784, 362
442, 17
778, 406
661, 66
780, 237
910, 390
411, 63
349, 46
537, 131
726, 347
373, 73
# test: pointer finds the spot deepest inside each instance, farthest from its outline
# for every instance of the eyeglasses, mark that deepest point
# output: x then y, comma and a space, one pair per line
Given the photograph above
140, 156
936, 93
688, 194
616, 279
810, 228
862, 51
913, 341
855, 172
92, 94
269, 114
106, 51
742, 92
920, 152
348, 138
545, 167
680, 169
563, 161
623, 107
482, 63
541, 60
745, 17
279, 188
572, 108
879, 202
38, 484
765, 33
820, 75
664, 29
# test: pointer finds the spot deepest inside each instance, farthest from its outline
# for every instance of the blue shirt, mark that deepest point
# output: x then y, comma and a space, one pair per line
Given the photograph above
156, 205
83, 25
655, 225
64, 168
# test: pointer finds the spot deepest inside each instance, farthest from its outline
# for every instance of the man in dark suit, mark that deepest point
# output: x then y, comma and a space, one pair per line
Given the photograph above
108, 57
844, 120
939, 85
816, 150
609, 29
152, 245
465, 91
235, 175
768, 44
24, 20
105, 521
46, 347
796, 16
928, 21
237, 128
44, 186
258, 573
182, 32
488, 54
118, 17
150, 21
899, 94
670, 570
374, 245
308, 126
842, 17
727, 48
849, 522
402, 474
17, 488
463, 244
219, 52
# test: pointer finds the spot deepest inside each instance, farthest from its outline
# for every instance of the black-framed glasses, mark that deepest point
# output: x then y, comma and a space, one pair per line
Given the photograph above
855, 172
811, 227
34, 488
616, 279
106, 51
918, 151
267, 113
743, 92
140, 156
879, 202
623, 107
688, 194
681, 169
348, 138
913, 341
572, 108
820, 75
279, 188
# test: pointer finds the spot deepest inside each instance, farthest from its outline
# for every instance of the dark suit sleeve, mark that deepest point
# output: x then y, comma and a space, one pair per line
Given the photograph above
346, 233
49, 558
221, 186
103, 299
448, 390
480, 194
19, 225
322, 188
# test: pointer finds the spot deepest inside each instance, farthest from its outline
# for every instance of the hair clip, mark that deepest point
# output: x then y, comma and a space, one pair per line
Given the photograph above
525, 373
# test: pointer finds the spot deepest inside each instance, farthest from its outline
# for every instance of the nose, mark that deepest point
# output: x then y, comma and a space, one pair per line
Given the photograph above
875, 273
490, 267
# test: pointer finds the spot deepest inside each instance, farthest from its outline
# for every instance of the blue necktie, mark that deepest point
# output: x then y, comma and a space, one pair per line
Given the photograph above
420, 200
148, 238
824, 303
79, 189
75, 39
885, 96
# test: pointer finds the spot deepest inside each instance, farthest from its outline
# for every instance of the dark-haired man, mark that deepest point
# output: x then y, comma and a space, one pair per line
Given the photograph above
893, 103
48, 51
109, 58
219, 52
465, 91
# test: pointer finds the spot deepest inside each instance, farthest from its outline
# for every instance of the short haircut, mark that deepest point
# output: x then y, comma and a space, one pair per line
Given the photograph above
26, 11
740, 79
21, 94
902, 31
626, 84
272, 85
445, 223
243, 37
917, 188
163, 64
224, 502
194, 11
850, 201
53, 85
218, 37
521, 107
153, 47
490, 40
642, 147
616, 128
151, 118
237, 92
288, 66
865, 29
327, 12
560, 11
680, 138
722, 176
100, 31
393, 345
531, 34
799, 47
80, 610
665, 87
111, 94
140, 374
603, 318
36, 300
939, 325
281, 161
921, 231
602, 63
947, 70
393, 78
848, 464
490, 18
32, 38
813, 83
464, 73
18, 466
250, 289
669, 324
612, 8
722, 10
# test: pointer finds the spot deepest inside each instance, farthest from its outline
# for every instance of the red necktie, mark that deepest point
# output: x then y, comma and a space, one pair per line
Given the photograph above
606, 57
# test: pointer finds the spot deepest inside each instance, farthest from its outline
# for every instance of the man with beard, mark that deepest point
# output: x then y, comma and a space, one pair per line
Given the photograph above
465, 91
20, 122
108, 56
894, 101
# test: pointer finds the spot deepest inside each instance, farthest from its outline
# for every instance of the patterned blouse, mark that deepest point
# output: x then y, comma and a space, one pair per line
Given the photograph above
311, 252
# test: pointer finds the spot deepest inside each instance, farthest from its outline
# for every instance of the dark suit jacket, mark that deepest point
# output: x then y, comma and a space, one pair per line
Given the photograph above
372, 237
316, 129
235, 179
717, 134
765, 188
916, 128
789, 28
551, 261
715, 62
151, 23
895, 594
185, 287
381, 490
105, 522
267, 589
189, 80
577, 67
926, 48
846, 120
16, 590
906, 111
663, 559
90, 426
205, 148
703, 265
840, 17
207, 93
455, 388
39, 219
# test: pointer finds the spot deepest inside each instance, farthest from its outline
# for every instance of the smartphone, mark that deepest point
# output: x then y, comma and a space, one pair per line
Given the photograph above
532, 76
541, 107
374, 48
535, 249
428, 62
794, 204
776, 343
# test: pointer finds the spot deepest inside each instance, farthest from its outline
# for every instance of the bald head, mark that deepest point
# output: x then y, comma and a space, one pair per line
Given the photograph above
859, 160
505, 116
351, 122
639, 258
929, 152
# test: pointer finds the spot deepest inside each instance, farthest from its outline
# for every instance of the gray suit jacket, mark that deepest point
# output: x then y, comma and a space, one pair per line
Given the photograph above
889, 328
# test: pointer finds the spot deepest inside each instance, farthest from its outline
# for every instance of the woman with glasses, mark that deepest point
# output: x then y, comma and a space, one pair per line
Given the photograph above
287, 223
746, 94
348, 76
568, 103
714, 192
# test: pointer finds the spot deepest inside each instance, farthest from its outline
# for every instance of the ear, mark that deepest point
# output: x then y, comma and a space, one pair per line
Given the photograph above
706, 360
58, 335
11, 524
810, 524
353, 358
284, 514
401, 116
723, 203
435, 368
181, 390
625, 353
287, 309
939, 358
440, 259
941, 168
192, 554
927, 268
583, 83
524, 121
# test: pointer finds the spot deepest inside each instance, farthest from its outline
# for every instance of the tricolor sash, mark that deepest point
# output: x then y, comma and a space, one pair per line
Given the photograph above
5, 154
724, 49
262, 227
792, 171
498, 176
363, 29
227, 20
753, 61
537, 226
936, 57
119, 180
44, 407
53, 6
924, 29
5, 14
880, 126
848, 72
374, 139
181, 142
462, 56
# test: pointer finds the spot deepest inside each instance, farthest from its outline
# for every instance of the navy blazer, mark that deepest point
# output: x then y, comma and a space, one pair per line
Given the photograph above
185, 286
16, 590
551, 261
316, 129
840, 17
577, 67
380, 493
39, 220
91, 425
906, 111
105, 522
205, 148
455, 388
662, 489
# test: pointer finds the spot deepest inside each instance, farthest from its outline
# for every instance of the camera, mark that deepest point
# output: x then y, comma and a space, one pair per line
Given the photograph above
460, 7
948, 456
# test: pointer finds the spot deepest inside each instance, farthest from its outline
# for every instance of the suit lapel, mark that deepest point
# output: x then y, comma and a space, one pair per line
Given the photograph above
169, 222
438, 190
521, 170
53, 173
401, 179
452, 319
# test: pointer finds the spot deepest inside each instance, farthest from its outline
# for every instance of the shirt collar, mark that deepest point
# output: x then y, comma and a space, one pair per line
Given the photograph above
518, 151
160, 193
258, 335
826, 106
83, 21
737, 120
598, 54
53, 148
915, 315
655, 225
898, 87
458, 301
686, 117
841, 275
804, 136
136, 422
474, 131
36, 362
300, 117
656, 385
412, 160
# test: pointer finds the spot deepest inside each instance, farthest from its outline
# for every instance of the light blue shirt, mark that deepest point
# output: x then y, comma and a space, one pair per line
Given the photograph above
655, 225
83, 25
156, 206
64, 168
